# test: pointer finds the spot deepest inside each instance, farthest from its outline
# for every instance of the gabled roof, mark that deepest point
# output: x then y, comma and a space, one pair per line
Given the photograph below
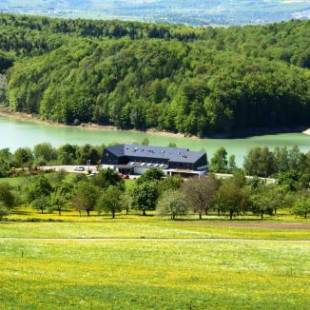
181, 155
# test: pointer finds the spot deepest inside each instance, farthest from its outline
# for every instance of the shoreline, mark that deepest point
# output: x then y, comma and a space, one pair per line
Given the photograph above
20, 116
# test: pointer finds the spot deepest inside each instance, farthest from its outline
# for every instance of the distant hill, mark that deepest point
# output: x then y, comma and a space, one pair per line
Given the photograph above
194, 12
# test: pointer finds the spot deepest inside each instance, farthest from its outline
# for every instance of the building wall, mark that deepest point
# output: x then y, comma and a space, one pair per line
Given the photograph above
203, 161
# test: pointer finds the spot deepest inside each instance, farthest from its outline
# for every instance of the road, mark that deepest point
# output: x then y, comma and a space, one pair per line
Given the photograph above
93, 169
70, 169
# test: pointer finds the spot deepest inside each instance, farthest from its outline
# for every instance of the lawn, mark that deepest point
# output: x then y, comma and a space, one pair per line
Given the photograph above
137, 262
29, 224
154, 274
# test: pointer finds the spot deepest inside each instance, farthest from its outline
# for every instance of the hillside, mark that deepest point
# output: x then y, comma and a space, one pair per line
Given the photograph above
200, 81
195, 12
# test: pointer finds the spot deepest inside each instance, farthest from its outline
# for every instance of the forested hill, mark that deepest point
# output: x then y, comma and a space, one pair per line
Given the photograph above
200, 81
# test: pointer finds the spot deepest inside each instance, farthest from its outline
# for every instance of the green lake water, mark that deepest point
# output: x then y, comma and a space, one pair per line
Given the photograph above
14, 134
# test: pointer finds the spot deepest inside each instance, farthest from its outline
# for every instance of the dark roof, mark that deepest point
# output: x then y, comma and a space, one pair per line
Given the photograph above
167, 153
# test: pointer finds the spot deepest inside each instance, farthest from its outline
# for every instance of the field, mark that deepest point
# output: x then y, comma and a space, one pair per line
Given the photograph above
136, 262
198, 12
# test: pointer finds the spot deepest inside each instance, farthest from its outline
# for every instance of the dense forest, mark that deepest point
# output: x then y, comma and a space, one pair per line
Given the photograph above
199, 81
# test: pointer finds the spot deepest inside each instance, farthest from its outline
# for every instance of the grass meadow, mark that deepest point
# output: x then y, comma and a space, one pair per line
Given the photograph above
135, 262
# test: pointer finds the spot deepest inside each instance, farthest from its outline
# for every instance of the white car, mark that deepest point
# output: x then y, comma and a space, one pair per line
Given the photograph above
79, 169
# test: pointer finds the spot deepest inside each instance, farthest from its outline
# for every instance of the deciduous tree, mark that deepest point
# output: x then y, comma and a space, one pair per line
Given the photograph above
110, 201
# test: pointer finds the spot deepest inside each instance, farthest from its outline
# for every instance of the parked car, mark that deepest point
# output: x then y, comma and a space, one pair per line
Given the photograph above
123, 176
79, 169
91, 175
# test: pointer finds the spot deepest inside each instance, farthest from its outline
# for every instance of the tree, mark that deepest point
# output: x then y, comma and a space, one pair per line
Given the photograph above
301, 206
172, 203
281, 159
110, 201
232, 166
295, 159
67, 154
86, 197
260, 203
5, 162
4, 211
7, 200
7, 197
260, 162
45, 151
152, 174
199, 193
290, 180
231, 198
170, 183
60, 197
108, 177
219, 161
38, 187
41, 203
23, 156
239, 178
5, 168
88, 153
145, 196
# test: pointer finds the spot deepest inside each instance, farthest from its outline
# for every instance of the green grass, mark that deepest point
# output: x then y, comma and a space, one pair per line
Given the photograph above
29, 224
13, 181
149, 274
153, 263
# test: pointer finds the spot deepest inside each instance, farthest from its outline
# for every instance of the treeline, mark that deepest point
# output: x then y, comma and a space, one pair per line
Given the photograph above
289, 167
106, 193
199, 81
43, 154
287, 41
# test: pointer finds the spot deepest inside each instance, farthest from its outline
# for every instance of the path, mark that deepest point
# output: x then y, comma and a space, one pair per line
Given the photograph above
88, 239
93, 169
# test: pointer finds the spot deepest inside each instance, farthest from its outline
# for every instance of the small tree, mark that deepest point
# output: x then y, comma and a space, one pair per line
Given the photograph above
38, 187
7, 197
301, 206
4, 211
23, 156
41, 203
199, 193
45, 151
232, 198
145, 196
60, 197
110, 201
260, 162
86, 197
7, 200
108, 177
172, 203
232, 166
261, 204
152, 174
171, 182
219, 161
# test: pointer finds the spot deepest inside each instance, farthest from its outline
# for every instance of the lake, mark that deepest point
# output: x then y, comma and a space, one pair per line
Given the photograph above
15, 133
